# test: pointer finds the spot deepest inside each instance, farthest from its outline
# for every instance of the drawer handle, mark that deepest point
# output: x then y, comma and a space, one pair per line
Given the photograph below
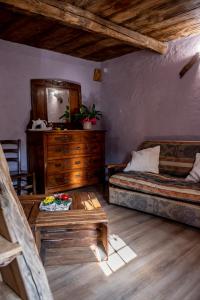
66, 150
63, 139
57, 165
77, 162
58, 179
77, 148
66, 139
78, 175
92, 147
94, 160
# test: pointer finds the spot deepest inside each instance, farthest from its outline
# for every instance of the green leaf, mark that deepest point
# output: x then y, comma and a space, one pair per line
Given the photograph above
86, 112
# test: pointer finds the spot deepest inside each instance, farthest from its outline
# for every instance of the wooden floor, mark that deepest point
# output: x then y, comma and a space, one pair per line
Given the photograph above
167, 265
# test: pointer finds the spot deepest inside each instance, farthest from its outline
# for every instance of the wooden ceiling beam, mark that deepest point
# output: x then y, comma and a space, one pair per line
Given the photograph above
73, 16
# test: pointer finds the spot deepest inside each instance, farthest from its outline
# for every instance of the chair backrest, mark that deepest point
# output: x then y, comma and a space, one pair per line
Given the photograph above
23, 182
12, 151
176, 157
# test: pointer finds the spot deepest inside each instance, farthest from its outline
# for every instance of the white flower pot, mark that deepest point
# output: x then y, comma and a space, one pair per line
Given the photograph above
87, 125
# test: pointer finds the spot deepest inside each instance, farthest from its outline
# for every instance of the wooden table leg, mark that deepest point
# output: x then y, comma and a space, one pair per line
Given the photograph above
37, 234
104, 236
39, 244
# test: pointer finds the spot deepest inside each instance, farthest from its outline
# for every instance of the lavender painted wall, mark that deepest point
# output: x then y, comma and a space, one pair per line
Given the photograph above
144, 98
141, 94
19, 64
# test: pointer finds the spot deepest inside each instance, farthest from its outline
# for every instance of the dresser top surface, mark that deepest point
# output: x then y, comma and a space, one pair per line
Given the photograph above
64, 131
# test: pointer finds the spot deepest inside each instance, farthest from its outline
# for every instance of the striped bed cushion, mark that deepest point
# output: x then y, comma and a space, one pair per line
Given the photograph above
158, 184
176, 157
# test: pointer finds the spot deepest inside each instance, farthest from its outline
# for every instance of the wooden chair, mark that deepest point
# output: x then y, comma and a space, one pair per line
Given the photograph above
23, 182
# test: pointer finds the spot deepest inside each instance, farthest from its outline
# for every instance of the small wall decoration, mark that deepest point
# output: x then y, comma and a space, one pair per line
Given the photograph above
97, 75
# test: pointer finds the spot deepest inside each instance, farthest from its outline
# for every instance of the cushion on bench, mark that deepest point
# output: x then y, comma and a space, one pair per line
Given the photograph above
158, 184
176, 157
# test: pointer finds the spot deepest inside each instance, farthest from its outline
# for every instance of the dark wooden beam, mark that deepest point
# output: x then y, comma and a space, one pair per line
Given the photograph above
189, 65
79, 18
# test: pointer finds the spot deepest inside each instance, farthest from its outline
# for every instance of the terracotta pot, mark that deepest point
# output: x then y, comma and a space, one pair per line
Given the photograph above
87, 125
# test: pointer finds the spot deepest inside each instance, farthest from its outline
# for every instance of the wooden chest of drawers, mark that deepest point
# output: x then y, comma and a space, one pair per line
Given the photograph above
66, 160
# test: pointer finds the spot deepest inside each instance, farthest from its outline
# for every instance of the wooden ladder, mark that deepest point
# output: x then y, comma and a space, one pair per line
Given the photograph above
22, 273
8, 252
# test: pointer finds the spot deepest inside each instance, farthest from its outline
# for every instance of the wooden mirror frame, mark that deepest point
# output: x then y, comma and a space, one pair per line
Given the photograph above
39, 97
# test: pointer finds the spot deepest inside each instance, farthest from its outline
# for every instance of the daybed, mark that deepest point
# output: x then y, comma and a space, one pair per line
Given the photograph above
166, 194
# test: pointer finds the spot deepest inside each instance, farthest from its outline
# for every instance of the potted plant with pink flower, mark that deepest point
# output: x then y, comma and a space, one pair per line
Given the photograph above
88, 116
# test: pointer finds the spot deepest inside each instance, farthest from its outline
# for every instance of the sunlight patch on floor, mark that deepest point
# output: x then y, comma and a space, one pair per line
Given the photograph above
91, 204
119, 255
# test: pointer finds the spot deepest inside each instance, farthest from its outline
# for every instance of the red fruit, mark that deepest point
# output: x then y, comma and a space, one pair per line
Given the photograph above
65, 197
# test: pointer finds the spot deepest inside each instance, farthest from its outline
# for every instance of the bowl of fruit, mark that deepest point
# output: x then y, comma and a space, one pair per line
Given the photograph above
56, 202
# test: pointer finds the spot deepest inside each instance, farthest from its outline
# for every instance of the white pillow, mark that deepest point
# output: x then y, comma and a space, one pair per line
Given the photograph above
194, 175
146, 160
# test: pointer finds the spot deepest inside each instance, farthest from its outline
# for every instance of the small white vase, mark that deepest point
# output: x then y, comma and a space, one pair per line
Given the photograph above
87, 125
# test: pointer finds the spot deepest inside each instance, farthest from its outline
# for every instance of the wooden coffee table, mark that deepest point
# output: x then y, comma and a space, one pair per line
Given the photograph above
73, 236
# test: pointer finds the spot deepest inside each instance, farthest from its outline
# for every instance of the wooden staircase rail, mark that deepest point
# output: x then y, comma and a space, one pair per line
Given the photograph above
8, 251
25, 274
7, 293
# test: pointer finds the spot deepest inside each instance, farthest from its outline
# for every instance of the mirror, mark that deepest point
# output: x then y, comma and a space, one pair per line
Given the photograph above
57, 102
51, 97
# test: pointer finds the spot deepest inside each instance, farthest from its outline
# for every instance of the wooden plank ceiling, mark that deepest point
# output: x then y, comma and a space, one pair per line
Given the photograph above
163, 20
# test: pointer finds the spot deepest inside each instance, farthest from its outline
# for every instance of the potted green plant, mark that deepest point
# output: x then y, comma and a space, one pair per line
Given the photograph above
66, 115
88, 116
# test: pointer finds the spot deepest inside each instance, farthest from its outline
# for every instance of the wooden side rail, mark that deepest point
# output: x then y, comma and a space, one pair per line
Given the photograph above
113, 168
